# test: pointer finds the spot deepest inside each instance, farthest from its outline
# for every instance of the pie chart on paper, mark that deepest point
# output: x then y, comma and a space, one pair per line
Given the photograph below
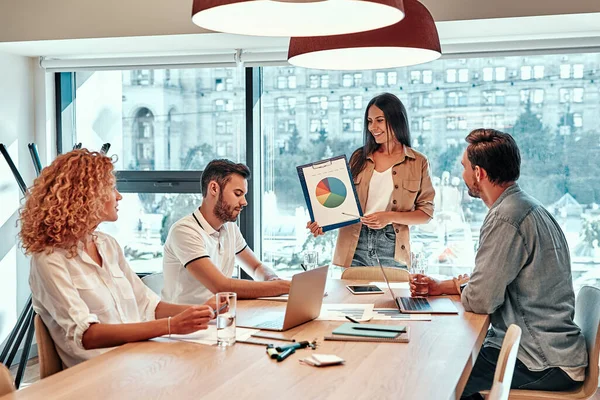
331, 192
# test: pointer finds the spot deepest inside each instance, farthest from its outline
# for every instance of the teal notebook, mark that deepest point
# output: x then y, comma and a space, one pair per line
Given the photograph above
370, 330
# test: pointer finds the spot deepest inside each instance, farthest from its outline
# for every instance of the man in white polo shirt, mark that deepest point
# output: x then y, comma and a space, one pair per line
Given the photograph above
201, 248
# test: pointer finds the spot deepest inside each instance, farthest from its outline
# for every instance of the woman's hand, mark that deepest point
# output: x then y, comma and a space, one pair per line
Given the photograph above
377, 220
314, 228
193, 319
435, 289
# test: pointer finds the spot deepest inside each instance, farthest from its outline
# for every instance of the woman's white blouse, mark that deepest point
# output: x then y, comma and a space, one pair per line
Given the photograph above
70, 294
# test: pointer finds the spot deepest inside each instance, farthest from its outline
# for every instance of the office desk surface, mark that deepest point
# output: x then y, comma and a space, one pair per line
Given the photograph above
434, 365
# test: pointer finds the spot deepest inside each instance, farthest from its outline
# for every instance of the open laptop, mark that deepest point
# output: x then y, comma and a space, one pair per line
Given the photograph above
419, 305
303, 305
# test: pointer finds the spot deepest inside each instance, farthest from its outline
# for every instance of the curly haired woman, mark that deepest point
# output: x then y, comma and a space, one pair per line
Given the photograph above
81, 284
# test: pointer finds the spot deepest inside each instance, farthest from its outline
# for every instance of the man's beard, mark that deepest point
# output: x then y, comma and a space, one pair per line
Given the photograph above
225, 212
475, 190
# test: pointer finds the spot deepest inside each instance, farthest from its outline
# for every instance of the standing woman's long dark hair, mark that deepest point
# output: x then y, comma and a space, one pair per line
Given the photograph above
397, 122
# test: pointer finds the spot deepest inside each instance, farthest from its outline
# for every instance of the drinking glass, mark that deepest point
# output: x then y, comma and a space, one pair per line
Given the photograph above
311, 259
419, 266
226, 318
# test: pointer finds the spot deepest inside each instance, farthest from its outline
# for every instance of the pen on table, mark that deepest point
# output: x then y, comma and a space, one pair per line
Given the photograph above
351, 215
352, 319
272, 337
256, 343
303, 267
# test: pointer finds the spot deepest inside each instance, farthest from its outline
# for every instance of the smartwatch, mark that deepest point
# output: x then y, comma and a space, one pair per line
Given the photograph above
463, 286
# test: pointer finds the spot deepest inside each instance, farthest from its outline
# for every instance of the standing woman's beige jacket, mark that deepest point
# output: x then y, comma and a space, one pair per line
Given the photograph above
412, 191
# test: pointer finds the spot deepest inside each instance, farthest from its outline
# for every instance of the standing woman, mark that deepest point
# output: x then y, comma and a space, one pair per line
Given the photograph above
81, 285
394, 189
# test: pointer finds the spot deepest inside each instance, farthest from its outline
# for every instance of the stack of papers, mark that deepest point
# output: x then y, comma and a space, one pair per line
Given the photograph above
209, 336
322, 360
338, 312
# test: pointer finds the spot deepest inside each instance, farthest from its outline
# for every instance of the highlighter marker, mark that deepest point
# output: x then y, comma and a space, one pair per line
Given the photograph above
282, 356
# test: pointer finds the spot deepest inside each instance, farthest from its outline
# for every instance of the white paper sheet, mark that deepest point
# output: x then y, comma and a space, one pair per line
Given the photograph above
393, 285
338, 312
209, 336
395, 315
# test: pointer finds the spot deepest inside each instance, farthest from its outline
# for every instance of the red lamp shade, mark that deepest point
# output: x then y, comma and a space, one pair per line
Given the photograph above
414, 40
295, 17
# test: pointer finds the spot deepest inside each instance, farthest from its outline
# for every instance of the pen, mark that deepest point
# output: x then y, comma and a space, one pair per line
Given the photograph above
303, 267
364, 328
224, 306
282, 356
297, 345
351, 215
257, 343
273, 337
352, 319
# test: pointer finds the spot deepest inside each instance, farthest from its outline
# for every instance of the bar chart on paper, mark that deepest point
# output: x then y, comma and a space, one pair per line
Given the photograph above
331, 192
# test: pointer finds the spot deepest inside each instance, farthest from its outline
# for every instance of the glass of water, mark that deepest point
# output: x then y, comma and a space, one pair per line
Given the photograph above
226, 318
419, 266
311, 259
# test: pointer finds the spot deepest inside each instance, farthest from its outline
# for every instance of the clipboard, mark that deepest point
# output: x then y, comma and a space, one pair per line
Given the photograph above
329, 193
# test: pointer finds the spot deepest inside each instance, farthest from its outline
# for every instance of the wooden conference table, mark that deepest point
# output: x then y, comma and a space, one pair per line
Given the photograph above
434, 365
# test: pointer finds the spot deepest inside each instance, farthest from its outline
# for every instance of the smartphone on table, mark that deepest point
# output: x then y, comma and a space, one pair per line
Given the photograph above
364, 289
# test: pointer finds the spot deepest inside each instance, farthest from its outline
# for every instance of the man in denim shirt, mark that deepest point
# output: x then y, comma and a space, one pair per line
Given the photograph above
522, 275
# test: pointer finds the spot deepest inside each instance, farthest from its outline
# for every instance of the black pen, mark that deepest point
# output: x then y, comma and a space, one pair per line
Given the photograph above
352, 319
303, 267
366, 328
282, 356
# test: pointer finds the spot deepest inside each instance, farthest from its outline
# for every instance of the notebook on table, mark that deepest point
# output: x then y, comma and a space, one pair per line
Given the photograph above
370, 333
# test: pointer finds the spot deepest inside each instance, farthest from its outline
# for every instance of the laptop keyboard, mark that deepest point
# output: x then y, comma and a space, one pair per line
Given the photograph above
415, 304
272, 324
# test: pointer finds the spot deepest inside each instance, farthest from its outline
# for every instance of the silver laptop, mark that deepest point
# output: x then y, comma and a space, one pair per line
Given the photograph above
419, 305
303, 305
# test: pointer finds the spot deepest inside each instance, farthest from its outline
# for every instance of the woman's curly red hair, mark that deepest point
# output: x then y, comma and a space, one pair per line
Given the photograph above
66, 202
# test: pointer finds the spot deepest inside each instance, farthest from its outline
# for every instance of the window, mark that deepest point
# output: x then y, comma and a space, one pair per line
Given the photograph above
158, 135
324, 81
314, 81
578, 71
535, 96
357, 79
538, 72
494, 97
463, 75
392, 78
291, 82
565, 71
347, 80
281, 82
318, 125
357, 100
380, 78
450, 75
318, 103
415, 76
427, 76
525, 72
454, 99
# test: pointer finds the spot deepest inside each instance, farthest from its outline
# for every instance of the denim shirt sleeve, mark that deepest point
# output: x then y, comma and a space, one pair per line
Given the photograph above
501, 255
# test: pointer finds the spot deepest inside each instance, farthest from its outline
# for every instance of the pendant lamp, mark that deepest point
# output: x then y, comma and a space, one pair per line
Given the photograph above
414, 40
295, 17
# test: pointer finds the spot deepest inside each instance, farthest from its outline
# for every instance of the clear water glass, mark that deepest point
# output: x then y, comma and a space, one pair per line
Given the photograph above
226, 318
311, 259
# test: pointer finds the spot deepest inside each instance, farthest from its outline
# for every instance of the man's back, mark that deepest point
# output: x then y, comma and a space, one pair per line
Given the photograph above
524, 257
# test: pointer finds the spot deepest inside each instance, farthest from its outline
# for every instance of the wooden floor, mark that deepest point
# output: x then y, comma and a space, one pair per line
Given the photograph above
32, 375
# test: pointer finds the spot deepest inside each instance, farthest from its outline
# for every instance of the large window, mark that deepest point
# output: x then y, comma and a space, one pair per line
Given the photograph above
164, 126
560, 146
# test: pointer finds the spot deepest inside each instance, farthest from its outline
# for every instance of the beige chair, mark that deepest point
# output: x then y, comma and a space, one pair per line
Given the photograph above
587, 317
374, 274
6, 381
506, 364
155, 282
50, 362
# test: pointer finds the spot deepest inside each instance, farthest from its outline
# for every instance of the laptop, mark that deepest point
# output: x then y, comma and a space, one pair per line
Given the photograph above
303, 305
420, 305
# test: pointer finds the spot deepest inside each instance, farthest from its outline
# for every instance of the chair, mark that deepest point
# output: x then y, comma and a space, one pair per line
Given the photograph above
155, 282
50, 362
506, 364
6, 381
587, 317
374, 274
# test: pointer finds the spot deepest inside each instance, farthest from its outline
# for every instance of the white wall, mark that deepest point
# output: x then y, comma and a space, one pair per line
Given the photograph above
16, 131
26, 20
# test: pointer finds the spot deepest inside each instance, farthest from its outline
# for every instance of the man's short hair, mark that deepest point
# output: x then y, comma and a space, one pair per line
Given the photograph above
496, 152
220, 171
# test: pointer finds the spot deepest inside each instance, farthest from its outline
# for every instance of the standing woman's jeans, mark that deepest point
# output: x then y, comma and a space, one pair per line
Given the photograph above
382, 241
